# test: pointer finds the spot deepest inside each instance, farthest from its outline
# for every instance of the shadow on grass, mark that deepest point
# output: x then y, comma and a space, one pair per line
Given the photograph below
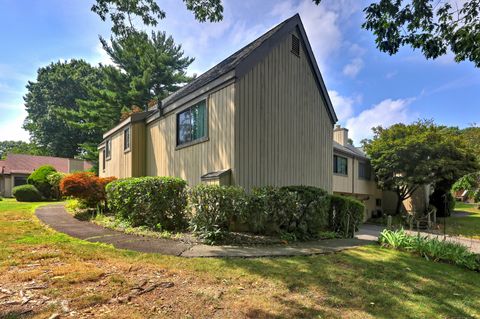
370, 280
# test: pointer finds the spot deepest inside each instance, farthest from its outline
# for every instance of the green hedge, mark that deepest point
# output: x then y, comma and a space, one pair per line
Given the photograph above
39, 179
346, 214
27, 193
214, 208
295, 212
156, 202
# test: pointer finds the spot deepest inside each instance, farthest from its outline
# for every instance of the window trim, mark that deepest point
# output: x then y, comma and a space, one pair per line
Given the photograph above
108, 149
198, 140
126, 150
334, 165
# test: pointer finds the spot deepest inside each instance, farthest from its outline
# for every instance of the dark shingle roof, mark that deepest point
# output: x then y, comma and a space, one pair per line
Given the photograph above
349, 150
223, 67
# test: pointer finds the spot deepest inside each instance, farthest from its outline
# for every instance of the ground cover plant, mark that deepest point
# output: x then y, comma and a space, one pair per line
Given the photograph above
431, 248
76, 278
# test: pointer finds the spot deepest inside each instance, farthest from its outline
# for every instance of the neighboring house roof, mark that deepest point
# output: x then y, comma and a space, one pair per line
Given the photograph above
244, 59
26, 164
349, 150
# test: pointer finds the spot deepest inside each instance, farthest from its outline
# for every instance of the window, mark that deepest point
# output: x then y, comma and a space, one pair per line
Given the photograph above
364, 170
378, 202
295, 45
126, 139
19, 180
191, 124
340, 165
108, 149
103, 159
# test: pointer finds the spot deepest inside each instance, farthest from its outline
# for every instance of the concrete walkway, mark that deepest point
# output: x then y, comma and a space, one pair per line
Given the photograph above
57, 218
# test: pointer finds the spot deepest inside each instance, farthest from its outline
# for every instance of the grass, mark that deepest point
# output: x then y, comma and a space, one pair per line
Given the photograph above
466, 226
368, 282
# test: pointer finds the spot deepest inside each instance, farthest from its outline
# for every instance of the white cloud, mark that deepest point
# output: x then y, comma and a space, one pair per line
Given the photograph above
12, 128
343, 105
385, 113
100, 56
321, 24
353, 68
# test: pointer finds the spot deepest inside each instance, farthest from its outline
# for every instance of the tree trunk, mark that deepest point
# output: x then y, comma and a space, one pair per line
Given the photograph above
399, 204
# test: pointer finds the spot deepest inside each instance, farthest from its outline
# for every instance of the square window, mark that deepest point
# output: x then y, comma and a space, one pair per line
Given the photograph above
191, 123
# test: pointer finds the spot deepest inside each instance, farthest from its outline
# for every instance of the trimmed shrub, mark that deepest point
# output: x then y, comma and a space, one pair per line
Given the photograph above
54, 180
156, 202
215, 208
39, 179
294, 212
86, 187
346, 214
430, 248
27, 193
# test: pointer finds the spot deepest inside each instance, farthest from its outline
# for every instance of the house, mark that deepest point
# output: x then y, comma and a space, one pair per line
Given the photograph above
16, 168
352, 173
260, 117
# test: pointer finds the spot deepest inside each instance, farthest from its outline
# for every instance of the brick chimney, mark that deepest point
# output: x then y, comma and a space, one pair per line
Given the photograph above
340, 135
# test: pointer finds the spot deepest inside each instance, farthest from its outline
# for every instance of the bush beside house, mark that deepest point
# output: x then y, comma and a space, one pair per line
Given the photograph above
156, 202
165, 204
38, 178
87, 187
27, 193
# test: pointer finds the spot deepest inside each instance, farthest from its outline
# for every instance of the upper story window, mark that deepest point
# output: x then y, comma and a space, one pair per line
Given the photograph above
192, 123
126, 139
340, 165
108, 149
364, 170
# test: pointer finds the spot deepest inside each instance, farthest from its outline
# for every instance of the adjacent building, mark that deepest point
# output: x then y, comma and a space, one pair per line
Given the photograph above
16, 168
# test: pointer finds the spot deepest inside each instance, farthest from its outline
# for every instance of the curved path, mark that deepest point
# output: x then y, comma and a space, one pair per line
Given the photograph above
59, 219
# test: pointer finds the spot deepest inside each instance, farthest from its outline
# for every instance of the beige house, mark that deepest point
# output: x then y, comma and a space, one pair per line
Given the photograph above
16, 168
352, 173
260, 117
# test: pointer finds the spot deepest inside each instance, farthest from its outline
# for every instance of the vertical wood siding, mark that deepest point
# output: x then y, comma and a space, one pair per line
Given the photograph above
120, 163
282, 127
191, 162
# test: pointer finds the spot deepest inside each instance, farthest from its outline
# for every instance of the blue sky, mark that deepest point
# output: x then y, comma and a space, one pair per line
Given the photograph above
368, 88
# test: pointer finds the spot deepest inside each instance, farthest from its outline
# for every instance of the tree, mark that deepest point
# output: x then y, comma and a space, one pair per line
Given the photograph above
153, 67
404, 157
19, 147
433, 26
122, 13
48, 101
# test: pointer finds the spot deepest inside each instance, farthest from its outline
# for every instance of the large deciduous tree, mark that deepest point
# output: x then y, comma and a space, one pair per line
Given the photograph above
123, 13
56, 91
404, 157
435, 27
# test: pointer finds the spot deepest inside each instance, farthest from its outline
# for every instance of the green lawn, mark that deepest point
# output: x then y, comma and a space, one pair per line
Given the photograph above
369, 282
468, 226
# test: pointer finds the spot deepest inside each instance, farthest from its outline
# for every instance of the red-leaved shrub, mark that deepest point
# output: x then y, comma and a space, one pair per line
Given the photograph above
85, 186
